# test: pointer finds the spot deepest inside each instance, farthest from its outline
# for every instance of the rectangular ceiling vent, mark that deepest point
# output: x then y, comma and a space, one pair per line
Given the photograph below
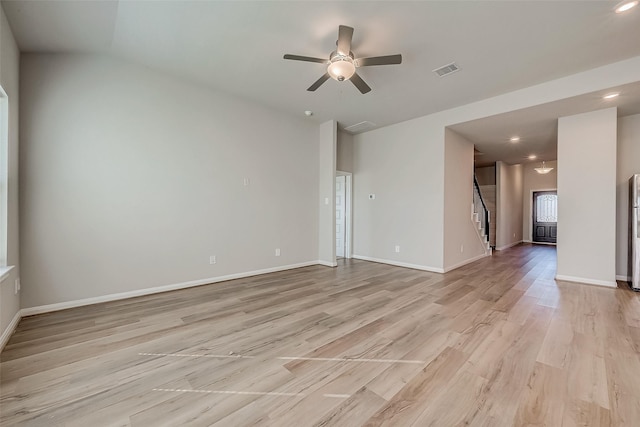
360, 127
446, 70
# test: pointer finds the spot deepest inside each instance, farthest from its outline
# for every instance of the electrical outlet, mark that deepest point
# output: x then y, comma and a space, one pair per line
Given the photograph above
397, 248
212, 259
277, 251
514, 235
461, 248
17, 286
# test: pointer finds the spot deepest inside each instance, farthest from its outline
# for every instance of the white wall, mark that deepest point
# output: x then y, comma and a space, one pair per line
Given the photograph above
628, 163
461, 242
9, 80
327, 193
403, 166
131, 179
533, 181
509, 180
587, 197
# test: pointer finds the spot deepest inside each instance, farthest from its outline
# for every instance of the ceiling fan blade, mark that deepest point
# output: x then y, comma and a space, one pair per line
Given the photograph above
379, 60
306, 58
359, 83
345, 34
319, 82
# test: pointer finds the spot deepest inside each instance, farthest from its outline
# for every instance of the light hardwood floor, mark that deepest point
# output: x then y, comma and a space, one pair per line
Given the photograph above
495, 343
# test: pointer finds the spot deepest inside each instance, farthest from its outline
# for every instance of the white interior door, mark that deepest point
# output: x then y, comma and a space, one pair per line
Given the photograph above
341, 194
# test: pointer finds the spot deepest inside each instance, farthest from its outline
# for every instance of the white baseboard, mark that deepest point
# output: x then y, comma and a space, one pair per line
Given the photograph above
527, 241
587, 281
155, 290
9, 330
510, 245
623, 278
327, 263
465, 262
399, 264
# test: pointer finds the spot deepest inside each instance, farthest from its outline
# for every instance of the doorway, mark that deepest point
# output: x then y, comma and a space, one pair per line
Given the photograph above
545, 217
343, 215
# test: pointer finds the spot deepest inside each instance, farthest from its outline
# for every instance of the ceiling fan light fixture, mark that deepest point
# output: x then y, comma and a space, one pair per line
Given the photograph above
341, 67
544, 169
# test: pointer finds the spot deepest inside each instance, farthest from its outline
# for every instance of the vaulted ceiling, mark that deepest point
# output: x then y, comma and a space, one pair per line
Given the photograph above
237, 47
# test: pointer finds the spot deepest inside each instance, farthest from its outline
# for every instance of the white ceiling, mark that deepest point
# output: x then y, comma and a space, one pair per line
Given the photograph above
237, 47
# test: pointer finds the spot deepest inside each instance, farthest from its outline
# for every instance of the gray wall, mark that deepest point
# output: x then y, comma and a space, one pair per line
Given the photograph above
345, 152
327, 192
486, 175
587, 197
403, 165
132, 179
461, 242
9, 79
628, 164
508, 205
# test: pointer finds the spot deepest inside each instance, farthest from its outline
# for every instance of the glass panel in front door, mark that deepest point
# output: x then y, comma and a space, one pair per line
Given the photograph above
547, 208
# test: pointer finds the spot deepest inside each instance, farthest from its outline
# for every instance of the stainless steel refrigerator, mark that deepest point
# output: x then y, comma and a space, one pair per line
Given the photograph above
634, 232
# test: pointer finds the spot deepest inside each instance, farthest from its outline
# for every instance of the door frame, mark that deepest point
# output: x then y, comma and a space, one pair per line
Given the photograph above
537, 190
530, 220
347, 213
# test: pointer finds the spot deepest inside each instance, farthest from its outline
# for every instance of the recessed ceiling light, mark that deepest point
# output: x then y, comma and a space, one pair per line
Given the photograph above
514, 139
532, 157
611, 95
308, 113
625, 5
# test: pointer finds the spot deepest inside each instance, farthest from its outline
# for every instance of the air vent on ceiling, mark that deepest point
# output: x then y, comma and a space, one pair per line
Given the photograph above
360, 127
447, 69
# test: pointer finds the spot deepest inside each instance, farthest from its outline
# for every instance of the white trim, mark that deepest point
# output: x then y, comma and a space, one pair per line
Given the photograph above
527, 241
148, 291
399, 264
587, 281
510, 245
11, 328
4, 176
348, 219
327, 263
465, 262
623, 278
4, 272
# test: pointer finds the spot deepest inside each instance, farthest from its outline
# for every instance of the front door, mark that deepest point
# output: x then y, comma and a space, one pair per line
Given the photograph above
545, 216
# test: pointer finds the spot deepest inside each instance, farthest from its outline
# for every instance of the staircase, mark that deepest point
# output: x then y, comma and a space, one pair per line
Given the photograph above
480, 216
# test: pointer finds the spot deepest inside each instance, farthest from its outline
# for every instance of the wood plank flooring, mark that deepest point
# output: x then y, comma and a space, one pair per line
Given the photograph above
495, 343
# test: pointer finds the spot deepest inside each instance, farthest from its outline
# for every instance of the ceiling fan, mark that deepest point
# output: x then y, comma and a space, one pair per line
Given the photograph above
342, 65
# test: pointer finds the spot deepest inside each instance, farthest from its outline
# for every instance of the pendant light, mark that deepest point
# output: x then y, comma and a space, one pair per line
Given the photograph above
544, 169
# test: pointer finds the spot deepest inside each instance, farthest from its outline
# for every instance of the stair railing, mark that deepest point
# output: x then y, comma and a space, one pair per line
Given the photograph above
480, 207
